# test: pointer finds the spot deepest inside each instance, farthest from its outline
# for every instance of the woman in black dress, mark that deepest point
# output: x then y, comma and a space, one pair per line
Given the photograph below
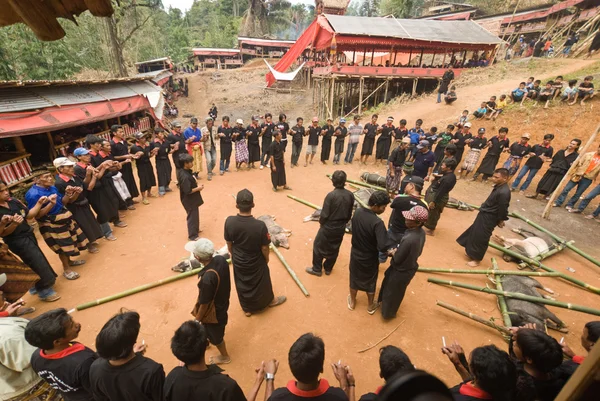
163, 165
142, 152
561, 162
384, 141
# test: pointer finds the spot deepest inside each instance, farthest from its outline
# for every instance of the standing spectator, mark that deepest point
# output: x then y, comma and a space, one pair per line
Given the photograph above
355, 130
537, 156
517, 151
585, 171
313, 141
340, 133
495, 146
195, 380
248, 244
438, 194
416, 134
298, 134
424, 161
335, 214
399, 134
384, 141
447, 78
123, 373
370, 132
277, 163
266, 132
213, 112
142, 152
225, 134
568, 44
327, 133
253, 133
214, 288
395, 164
586, 201
444, 139
189, 195
284, 127
561, 162
209, 140
163, 165
193, 144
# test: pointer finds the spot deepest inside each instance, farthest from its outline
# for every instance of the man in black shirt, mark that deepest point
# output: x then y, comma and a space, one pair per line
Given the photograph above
370, 130
225, 133
248, 243
195, 380
177, 143
214, 289
298, 133
266, 131
120, 152
327, 134
460, 137
123, 373
62, 363
403, 203
313, 141
496, 146
277, 163
340, 134
306, 359
284, 127
189, 194
493, 212
335, 214
393, 362
538, 155
369, 238
438, 194
404, 263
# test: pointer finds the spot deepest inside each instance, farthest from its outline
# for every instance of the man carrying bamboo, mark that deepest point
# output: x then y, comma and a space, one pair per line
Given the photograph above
493, 212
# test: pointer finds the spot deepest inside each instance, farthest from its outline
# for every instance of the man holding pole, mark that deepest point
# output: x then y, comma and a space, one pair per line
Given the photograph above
493, 212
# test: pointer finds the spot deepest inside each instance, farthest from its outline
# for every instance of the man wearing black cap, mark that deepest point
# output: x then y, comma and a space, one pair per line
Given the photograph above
248, 243
120, 152
177, 143
424, 161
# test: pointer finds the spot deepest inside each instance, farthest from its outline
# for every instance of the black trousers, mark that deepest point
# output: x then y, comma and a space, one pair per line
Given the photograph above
266, 152
320, 263
26, 247
393, 289
193, 222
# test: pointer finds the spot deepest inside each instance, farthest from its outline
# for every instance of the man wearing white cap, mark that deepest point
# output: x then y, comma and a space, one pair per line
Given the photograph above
214, 289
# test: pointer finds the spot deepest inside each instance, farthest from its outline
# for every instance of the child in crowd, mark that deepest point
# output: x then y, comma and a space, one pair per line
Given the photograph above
557, 86
451, 95
463, 118
585, 91
570, 92
500, 105
529, 83
491, 106
546, 93
481, 111
518, 94
534, 91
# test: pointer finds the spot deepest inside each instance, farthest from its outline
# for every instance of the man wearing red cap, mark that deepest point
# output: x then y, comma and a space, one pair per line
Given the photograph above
404, 262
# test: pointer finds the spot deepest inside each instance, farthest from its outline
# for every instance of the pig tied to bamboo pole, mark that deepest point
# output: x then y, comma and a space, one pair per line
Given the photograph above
501, 300
472, 316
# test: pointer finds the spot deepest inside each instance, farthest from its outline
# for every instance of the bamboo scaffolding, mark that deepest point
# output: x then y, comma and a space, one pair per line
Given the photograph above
555, 237
307, 203
289, 270
504, 272
478, 319
539, 264
516, 295
501, 300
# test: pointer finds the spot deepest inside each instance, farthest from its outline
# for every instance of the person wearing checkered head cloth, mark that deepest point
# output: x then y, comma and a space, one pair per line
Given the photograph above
404, 262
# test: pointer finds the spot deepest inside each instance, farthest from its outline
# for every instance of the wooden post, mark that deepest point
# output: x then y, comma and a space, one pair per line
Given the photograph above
444, 60
331, 94
372, 57
364, 56
583, 377
421, 58
51, 151
567, 176
18, 142
409, 57
360, 94
353, 56
387, 84
414, 90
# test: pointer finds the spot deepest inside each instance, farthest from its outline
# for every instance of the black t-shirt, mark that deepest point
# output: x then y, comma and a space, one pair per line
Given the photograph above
182, 384
268, 135
313, 135
539, 150
276, 150
398, 157
400, 133
516, 149
241, 133
491, 104
16, 207
187, 182
328, 132
298, 134
586, 85
67, 371
172, 139
252, 133
119, 148
397, 223
216, 288
228, 131
61, 185
145, 157
140, 379
371, 130
284, 127
343, 132
497, 145
323, 393
386, 131
248, 235
461, 137
478, 143
163, 149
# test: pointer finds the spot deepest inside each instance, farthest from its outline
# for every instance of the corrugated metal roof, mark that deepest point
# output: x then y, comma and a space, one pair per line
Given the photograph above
429, 30
34, 98
156, 60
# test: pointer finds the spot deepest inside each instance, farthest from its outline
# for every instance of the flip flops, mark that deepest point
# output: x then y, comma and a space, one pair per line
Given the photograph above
76, 262
349, 300
71, 275
278, 301
371, 310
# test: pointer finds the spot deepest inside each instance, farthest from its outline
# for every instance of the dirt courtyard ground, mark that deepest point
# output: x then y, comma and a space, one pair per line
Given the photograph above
156, 234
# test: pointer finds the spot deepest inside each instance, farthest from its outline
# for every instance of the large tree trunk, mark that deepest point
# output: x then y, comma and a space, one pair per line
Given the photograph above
119, 68
255, 23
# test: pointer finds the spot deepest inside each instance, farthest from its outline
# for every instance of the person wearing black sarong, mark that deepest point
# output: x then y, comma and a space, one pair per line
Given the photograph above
266, 132
384, 141
120, 152
142, 152
248, 243
284, 127
369, 238
163, 165
404, 263
252, 133
276, 162
336, 212
340, 133
461, 138
327, 133
561, 162
116, 178
370, 131
225, 134
177, 143
493, 212
438, 194
189, 195
496, 146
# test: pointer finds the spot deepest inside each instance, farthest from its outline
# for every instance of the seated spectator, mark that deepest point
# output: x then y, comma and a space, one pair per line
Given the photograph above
518, 94
533, 92
481, 111
500, 106
393, 362
61, 362
451, 95
463, 118
557, 86
585, 91
194, 380
546, 93
123, 373
490, 106
589, 337
540, 370
306, 359
489, 375
529, 83
18, 379
570, 93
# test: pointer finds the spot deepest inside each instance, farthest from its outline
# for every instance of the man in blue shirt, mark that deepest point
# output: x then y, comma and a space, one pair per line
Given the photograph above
415, 135
424, 161
518, 94
192, 136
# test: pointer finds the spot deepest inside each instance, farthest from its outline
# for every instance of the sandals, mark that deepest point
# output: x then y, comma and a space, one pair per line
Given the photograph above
76, 262
372, 310
277, 301
349, 300
71, 275
288, 188
145, 202
25, 310
51, 298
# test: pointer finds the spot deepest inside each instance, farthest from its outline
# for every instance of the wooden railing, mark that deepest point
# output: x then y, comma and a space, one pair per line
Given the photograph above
409, 72
16, 170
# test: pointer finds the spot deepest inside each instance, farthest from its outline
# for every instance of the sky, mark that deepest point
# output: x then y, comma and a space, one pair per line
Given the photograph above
185, 5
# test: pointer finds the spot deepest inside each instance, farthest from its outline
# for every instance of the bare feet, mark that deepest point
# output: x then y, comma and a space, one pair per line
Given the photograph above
429, 232
351, 304
220, 360
473, 263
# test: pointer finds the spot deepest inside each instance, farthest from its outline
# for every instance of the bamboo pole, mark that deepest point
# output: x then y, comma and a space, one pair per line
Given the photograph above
289, 269
304, 202
504, 272
501, 300
567, 176
557, 238
539, 264
360, 183
478, 319
360, 92
546, 255
516, 295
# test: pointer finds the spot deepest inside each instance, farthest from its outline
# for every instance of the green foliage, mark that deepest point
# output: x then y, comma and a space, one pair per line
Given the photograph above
397, 8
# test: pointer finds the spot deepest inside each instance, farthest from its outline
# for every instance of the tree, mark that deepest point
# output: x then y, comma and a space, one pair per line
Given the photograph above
369, 8
397, 8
